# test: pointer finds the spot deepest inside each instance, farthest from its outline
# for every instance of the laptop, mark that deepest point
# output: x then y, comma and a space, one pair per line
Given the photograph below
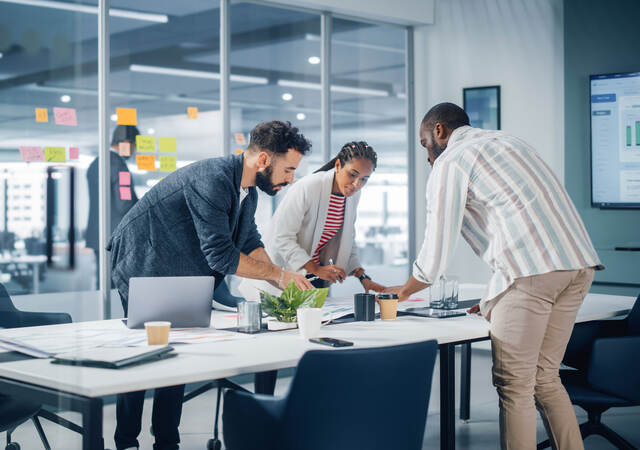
183, 301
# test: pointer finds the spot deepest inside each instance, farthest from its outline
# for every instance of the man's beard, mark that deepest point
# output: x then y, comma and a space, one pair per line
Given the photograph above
437, 150
264, 182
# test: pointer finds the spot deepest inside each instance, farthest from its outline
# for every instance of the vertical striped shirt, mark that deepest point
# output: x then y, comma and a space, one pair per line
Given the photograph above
497, 192
333, 224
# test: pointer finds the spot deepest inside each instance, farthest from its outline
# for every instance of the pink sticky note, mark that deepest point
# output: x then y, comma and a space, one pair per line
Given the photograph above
32, 153
125, 193
125, 178
74, 152
65, 116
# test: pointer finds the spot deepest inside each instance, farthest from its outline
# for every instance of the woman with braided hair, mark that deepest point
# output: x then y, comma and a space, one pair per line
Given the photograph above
313, 228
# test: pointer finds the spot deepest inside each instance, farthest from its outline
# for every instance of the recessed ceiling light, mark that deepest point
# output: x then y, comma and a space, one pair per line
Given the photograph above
114, 117
301, 116
65, 98
151, 131
314, 60
287, 96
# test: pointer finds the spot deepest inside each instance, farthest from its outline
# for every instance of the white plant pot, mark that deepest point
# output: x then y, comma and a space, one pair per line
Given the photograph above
276, 325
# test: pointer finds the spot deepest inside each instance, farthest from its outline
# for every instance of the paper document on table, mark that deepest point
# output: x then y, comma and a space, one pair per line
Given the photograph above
136, 338
336, 307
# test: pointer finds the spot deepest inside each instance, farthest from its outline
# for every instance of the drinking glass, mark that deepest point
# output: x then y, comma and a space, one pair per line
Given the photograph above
436, 294
450, 298
249, 317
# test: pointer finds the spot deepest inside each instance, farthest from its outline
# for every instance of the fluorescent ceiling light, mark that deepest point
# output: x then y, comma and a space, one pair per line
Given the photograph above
301, 116
151, 131
195, 74
124, 13
65, 98
334, 88
314, 60
287, 97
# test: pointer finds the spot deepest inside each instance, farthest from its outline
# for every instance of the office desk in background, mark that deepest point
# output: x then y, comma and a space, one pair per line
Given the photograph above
80, 388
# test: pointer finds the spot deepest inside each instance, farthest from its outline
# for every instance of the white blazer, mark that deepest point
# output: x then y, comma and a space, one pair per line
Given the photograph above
296, 227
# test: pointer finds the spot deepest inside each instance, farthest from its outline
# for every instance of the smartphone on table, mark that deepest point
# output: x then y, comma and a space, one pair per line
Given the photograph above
331, 342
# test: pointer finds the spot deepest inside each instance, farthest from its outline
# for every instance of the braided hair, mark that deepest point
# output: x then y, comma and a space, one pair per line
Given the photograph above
352, 150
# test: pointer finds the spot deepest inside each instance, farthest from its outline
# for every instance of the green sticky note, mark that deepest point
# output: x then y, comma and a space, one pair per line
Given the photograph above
168, 163
55, 154
167, 144
145, 143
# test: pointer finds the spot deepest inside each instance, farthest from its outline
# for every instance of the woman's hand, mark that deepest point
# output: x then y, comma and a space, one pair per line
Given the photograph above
370, 285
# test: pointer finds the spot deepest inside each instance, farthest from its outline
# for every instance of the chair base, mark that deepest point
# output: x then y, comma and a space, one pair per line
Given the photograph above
595, 426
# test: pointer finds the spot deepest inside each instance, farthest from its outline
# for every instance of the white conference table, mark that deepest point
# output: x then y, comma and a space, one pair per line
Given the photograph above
80, 388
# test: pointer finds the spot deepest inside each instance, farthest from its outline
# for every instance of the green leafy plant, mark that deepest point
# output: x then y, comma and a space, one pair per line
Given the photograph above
284, 308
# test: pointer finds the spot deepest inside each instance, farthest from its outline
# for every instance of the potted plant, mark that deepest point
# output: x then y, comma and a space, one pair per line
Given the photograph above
283, 309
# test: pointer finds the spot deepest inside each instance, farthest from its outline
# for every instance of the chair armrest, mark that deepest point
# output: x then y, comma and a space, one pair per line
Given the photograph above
614, 367
18, 319
584, 335
251, 421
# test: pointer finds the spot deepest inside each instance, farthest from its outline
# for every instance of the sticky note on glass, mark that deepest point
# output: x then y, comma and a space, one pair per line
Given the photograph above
167, 144
42, 115
32, 154
55, 154
125, 193
240, 140
74, 152
146, 162
127, 116
124, 178
192, 112
65, 116
239, 151
168, 163
145, 143
124, 149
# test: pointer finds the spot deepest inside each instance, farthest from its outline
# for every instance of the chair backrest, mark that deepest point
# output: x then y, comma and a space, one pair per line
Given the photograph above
11, 317
375, 398
633, 319
5, 300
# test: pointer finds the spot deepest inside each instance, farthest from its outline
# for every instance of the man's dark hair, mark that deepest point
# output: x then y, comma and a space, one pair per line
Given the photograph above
278, 137
448, 114
125, 133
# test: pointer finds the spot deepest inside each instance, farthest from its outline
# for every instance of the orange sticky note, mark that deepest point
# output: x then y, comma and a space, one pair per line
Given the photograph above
240, 140
42, 115
146, 162
125, 193
239, 151
74, 152
192, 112
127, 116
124, 178
124, 149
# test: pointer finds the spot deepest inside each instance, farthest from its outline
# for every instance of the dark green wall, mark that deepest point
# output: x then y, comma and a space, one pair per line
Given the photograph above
600, 36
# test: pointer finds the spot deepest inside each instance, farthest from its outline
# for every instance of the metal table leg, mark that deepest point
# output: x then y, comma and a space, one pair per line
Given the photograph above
447, 397
92, 424
465, 381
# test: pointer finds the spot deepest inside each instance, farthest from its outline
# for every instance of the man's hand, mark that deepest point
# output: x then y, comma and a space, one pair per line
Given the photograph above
330, 273
475, 309
301, 281
370, 285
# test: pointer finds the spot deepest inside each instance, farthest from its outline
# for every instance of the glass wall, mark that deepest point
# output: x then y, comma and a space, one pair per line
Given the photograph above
368, 103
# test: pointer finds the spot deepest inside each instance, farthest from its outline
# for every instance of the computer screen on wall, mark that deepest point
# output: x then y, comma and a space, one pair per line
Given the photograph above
615, 140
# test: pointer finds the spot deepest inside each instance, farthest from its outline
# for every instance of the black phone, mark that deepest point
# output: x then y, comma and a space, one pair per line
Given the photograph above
331, 342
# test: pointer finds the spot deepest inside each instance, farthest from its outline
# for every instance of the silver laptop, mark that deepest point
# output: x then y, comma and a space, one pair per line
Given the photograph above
183, 301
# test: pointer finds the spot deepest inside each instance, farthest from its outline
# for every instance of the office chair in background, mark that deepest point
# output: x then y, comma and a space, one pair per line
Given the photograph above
339, 400
606, 356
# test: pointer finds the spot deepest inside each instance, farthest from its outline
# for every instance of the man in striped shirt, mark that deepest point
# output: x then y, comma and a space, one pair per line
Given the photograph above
497, 192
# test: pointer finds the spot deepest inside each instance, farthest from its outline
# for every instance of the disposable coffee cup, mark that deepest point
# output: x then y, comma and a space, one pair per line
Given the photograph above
157, 332
388, 306
364, 307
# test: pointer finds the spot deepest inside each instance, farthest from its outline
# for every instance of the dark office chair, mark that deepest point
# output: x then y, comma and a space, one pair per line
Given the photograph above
14, 412
374, 398
606, 356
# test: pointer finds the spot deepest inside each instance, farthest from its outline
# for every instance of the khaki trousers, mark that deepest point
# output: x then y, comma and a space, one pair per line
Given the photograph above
530, 326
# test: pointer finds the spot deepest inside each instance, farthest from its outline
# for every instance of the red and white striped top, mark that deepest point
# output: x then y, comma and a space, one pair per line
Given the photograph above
333, 224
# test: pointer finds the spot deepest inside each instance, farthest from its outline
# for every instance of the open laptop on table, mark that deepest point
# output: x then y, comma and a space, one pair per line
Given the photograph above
183, 301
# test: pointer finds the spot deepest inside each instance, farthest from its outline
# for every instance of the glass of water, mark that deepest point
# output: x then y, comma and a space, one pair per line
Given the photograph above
450, 298
249, 317
436, 294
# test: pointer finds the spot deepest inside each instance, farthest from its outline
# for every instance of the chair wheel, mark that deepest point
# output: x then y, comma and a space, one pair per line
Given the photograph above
12, 446
214, 444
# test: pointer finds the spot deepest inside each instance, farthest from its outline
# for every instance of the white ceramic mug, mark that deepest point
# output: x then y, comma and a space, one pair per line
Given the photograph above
309, 322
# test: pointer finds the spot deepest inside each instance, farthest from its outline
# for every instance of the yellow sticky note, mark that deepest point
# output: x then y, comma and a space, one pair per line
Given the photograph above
168, 163
124, 149
55, 154
146, 162
145, 143
167, 144
239, 137
192, 112
42, 115
239, 151
127, 116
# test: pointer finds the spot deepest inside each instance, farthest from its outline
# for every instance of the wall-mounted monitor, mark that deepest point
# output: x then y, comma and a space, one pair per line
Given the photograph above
615, 140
